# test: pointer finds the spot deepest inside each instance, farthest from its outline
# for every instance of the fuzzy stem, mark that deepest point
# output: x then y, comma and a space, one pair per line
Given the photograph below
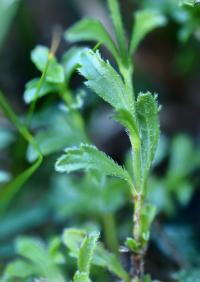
110, 232
137, 258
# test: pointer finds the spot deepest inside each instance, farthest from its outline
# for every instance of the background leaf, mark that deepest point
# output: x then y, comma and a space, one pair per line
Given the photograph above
51, 137
18, 269
145, 22
55, 72
35, 251
90, 29
32, 86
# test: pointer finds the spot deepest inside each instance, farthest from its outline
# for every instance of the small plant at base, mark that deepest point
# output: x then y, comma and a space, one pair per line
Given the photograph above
138, 115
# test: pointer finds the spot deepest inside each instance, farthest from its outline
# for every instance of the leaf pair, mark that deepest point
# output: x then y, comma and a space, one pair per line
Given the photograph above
139, 118
142, 125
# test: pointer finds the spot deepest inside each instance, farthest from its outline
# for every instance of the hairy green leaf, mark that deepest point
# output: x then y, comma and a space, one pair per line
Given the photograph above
55, 72
147, 114
145, 22
86, 252
104, 80
88, 157
81, 277
130, 124
73, 238
128, 121
32, 86
90, 29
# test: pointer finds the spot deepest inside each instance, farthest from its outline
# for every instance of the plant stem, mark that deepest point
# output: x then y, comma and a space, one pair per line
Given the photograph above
137, 217
110, 232
137, 258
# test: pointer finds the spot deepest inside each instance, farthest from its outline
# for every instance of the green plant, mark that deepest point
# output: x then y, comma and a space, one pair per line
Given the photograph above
98, 198
139, 116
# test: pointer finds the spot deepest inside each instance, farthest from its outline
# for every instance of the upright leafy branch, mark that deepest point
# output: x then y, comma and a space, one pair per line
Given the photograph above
138, 115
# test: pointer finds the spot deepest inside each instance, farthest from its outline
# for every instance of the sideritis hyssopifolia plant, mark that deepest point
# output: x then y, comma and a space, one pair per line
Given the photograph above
138, 114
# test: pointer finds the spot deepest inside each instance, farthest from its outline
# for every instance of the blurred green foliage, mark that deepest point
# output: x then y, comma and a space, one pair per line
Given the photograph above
8, 9
177, 185
185, 13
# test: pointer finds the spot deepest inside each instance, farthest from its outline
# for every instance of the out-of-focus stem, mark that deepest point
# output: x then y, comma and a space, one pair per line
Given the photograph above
110, 233
137, 257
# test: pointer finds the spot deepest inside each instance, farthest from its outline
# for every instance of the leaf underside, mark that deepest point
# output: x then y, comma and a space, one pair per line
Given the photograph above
88, 157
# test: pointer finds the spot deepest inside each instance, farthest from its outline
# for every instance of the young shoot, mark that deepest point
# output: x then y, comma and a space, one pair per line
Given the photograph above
138, 114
